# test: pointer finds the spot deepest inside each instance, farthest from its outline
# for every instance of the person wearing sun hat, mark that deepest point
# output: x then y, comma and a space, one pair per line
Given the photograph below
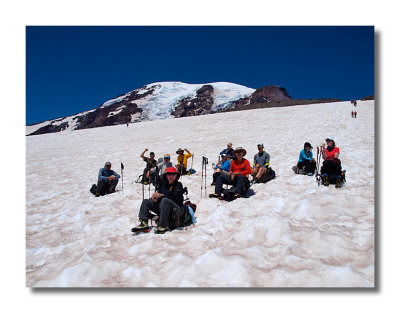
182, 160
238, 175
168, 195
107, 180
331, 164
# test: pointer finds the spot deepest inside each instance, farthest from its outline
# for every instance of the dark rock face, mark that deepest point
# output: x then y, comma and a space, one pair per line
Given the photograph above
268, 94
199, 105
107, 117
263, 94
368, 98
51, 128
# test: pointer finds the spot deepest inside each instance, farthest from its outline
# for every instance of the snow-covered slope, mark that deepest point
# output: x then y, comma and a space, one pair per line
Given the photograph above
291, 233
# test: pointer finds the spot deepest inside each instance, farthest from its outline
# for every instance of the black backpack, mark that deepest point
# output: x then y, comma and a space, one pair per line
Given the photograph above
176, 220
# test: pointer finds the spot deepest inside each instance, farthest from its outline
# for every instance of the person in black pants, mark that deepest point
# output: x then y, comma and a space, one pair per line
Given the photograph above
107, 180
168, 195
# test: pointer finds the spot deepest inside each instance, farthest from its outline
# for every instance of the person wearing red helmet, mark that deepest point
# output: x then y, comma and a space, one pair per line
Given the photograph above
168, 195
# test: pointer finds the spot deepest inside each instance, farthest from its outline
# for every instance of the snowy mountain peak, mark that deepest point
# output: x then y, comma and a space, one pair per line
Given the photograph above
161, 100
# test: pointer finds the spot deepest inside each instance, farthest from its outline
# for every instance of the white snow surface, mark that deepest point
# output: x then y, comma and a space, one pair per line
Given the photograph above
291, 233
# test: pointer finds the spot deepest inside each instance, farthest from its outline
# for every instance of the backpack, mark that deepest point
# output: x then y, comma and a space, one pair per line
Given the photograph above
176, 220
269, 175
93, 189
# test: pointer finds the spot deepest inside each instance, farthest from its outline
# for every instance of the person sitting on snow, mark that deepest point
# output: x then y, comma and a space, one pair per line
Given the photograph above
182, 160
331, 164
166, 163
238, 175
222, 168
168, 195
228, 151
306, 163
107, 180
150, 170
261, 163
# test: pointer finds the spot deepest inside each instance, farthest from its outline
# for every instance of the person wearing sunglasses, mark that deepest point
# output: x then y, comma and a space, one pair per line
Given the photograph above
107, 180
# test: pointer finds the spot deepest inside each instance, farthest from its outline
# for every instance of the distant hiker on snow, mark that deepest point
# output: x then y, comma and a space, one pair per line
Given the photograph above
228, 151
238, 175
261, 163
306, 163
166, 163
168, 196
150, 171
107, 180
222, 168
182, 160
331, 164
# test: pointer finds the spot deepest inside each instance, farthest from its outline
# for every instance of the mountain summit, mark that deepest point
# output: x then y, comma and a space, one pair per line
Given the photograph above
163, 100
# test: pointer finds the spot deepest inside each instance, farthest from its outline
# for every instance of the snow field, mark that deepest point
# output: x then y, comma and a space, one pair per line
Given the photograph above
291, 233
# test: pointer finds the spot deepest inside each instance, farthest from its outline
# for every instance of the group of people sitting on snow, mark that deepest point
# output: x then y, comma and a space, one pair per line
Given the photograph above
331, 169
233, 169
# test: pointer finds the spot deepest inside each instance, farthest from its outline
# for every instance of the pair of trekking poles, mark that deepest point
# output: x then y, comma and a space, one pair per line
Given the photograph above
204, 163
320, 151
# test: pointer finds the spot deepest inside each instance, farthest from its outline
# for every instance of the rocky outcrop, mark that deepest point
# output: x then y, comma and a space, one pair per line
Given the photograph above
199, 105
269, 94
114, 114
51, 128
263, 94
368, 98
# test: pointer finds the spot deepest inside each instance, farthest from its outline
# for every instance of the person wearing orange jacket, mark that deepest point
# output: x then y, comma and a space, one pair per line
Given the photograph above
238, 175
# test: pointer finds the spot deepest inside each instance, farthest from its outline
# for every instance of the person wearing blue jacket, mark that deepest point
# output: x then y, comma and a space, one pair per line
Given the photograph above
306, 163
222, 168
107, 180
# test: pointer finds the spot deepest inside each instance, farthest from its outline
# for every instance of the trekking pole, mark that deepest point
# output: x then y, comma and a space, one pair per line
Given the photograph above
122, 174
192, 163
142, 190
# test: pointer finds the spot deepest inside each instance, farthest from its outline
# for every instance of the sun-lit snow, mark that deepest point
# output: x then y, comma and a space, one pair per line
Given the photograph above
291, 233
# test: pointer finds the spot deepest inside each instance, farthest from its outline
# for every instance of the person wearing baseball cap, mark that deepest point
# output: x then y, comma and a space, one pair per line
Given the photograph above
107, 180
261, 163
150, 171
228, 151
167, 197
166, 163
222, 168
306, 163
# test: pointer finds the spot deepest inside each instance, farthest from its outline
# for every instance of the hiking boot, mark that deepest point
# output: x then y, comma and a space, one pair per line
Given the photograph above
214, 195
161, 229
338, 183
325, 180
111, 191
237, 195
213, 183
142, 227
295, 169
98, 194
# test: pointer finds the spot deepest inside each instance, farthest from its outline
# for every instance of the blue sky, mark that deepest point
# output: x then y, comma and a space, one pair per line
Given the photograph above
72, 69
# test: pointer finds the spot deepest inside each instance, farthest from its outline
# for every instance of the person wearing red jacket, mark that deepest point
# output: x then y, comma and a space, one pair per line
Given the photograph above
238, 174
